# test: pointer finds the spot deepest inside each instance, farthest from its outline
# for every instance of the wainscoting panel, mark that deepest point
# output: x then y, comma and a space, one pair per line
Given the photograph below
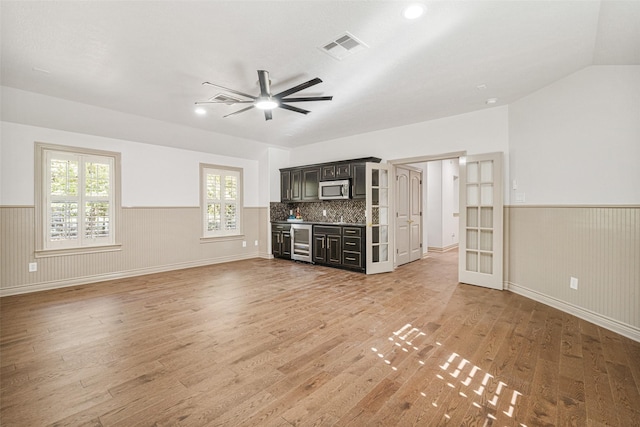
153, 239
599, 246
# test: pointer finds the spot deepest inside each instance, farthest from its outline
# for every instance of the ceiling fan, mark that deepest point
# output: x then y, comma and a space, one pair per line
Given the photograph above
266, 100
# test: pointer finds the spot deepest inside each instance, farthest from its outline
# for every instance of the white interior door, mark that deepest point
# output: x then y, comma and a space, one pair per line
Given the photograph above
378, 212
481, 226
403, 216
415, 215
408, 215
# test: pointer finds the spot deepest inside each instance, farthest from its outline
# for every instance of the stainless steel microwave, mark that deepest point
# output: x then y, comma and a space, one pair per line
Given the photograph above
331, 190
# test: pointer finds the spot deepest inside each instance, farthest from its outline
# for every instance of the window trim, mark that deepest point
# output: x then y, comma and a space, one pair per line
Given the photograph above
40, 200
203, 204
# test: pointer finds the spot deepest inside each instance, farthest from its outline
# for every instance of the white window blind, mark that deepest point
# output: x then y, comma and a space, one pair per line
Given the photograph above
79, 199
221, 201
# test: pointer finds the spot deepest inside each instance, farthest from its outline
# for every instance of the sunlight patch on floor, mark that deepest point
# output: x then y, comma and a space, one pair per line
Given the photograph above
457, 368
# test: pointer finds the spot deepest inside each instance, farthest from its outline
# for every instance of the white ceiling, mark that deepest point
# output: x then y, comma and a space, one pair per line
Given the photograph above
149, 58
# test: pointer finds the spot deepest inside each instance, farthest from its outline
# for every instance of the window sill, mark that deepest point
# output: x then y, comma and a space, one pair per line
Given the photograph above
77, 251
230, 238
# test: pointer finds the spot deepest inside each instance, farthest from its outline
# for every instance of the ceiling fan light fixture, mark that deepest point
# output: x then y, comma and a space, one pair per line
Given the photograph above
266, 103
413, 11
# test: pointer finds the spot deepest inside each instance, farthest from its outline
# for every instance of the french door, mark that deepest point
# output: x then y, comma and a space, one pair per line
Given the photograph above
379, 235
481, 228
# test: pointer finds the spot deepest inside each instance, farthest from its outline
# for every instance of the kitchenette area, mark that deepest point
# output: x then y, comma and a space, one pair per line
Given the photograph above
321, 216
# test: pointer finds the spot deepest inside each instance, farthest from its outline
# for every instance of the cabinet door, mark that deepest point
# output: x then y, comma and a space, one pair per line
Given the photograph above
276, 243
310, 180
319, 248
328, 172
286, 244
358, 184
343, 171
334, 249
285, 186
296, 185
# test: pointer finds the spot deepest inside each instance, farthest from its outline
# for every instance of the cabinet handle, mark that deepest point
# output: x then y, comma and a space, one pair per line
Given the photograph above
350, 243
348, 258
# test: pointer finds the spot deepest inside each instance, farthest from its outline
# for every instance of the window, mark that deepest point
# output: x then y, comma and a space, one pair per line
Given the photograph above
221, 189
77, 199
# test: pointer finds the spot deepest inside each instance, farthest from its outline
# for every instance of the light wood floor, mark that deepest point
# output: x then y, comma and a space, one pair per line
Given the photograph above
276, 343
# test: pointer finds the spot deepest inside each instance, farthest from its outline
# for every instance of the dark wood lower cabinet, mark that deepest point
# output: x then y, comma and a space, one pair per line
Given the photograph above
339, 246
281, 240
327, 245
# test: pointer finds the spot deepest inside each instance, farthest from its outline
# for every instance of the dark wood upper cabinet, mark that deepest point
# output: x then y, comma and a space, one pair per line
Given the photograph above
328, 172
300, 184
310, 181
290, 185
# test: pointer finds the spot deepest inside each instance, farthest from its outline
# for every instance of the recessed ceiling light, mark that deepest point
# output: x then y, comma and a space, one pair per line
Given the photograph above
491, 101
201, 111
413, 11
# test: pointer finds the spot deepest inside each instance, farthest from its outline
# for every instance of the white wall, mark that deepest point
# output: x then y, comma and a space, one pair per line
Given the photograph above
278, 158
577, 141
481, 131
449, 221
434, 204
151, 175
28, 108
441, 226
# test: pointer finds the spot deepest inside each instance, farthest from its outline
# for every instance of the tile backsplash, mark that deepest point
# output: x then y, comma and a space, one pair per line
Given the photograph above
351, 211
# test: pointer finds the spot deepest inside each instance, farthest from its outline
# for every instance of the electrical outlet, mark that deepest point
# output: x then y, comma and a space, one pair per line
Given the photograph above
244, 243
255, 243
573, 283
33, 267
324, 212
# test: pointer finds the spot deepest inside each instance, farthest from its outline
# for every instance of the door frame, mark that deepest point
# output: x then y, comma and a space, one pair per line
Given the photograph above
447, 156
422, 159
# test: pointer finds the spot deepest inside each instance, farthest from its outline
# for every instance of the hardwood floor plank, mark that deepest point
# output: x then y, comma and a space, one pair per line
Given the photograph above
277, 343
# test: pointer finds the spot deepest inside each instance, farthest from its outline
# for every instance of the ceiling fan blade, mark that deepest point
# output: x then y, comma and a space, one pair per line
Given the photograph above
309, 98
263, 78
224, 102
230, 90
238, 112
292, 108
268, 115
298, 88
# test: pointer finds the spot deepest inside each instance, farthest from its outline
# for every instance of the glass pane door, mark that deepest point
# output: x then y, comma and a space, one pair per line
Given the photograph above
378, 213
480, 258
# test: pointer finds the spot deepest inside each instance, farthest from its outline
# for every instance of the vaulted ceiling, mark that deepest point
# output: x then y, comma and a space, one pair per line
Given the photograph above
150, 58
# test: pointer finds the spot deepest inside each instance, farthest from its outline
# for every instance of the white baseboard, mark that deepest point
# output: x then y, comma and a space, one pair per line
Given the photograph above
442, 250
624, 329
77, 281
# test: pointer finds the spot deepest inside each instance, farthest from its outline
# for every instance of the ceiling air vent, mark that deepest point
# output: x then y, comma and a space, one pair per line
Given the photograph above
343, 46
222, 97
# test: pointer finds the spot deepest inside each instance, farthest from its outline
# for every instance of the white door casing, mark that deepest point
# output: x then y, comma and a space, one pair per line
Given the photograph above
481, 220
379, 206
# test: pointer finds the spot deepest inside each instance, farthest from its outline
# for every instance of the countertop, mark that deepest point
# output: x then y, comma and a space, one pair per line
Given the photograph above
348, 224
